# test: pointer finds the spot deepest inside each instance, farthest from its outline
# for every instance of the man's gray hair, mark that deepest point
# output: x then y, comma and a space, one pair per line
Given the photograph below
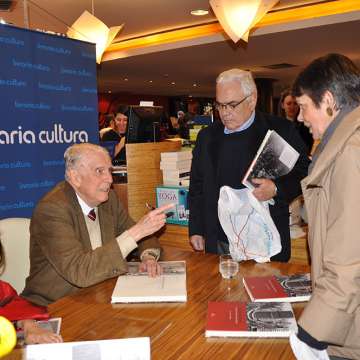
244, 78
77, 153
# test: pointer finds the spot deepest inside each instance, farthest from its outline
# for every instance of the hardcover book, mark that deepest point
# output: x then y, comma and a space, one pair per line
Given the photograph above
176, 178
180, 182
292, 288
274, 158
241, 319
183, 165
175, 174
138, 287
176, 155
177, 195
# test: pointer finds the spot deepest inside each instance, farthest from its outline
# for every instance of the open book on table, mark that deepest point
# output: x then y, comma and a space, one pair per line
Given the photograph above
137, 286
274, 158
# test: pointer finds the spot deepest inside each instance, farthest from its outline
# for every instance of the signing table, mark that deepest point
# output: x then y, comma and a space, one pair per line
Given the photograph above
177, 331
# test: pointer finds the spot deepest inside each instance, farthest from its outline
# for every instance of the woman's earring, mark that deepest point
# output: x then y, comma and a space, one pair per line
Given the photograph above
329, 111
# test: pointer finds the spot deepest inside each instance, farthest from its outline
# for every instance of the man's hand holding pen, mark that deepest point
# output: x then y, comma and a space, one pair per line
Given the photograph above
150, 223
150, 207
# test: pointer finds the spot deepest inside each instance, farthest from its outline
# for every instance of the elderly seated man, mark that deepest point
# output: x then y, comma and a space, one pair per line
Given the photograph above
80, 234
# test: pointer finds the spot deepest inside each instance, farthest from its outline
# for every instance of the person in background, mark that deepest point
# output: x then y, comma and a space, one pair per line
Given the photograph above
183, 126
328, 94
117, 133
223, 153
23, 313
289, 109
108, 119
80, 233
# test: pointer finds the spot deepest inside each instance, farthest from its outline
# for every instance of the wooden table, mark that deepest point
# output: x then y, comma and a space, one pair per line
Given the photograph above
177, 331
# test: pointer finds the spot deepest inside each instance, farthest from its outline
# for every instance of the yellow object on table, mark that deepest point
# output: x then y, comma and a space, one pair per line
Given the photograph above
7, 336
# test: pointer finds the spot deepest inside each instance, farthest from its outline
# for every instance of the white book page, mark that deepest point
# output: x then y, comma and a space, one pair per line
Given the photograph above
289, 157
118, 349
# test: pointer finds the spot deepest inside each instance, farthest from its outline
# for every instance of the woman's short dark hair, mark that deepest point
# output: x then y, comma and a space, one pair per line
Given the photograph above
333, 72
122, 109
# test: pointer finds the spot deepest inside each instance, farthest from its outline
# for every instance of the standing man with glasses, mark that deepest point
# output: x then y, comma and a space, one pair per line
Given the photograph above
223, 153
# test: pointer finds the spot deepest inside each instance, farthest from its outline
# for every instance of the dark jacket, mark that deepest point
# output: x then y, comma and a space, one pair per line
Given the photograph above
204, 186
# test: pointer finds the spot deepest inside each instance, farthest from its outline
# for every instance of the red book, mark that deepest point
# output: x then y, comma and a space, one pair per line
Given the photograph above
292, 288
240, 319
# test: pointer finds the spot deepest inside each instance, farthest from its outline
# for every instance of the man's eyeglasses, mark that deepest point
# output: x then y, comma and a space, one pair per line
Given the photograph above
229, 106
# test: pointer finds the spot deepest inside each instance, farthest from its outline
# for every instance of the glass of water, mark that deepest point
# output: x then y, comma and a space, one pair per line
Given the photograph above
228, 267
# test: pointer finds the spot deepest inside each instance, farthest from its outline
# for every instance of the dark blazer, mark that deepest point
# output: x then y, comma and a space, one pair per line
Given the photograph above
61, 257
204, 189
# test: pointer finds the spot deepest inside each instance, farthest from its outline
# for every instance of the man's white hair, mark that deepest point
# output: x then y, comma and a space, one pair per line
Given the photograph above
77, 153
244, 78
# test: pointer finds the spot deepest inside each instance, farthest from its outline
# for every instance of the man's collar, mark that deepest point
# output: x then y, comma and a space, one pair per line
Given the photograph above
243, 127
84, 206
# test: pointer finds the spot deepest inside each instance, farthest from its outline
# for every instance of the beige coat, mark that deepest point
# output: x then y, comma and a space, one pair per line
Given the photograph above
332, 199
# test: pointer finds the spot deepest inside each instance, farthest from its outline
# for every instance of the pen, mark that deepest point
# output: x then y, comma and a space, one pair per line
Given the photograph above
150, 207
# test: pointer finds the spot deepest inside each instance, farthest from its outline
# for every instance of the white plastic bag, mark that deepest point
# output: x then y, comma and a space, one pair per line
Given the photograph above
248, 225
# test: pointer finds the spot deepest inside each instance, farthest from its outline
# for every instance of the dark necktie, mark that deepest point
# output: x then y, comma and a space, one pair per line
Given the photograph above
92, 215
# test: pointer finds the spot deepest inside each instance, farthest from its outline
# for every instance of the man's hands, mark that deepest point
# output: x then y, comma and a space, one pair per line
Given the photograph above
197, 242
150, 265
150, 223
34, 334
265, 190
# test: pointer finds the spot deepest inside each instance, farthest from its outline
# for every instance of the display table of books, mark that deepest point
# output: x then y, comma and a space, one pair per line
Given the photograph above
178, 330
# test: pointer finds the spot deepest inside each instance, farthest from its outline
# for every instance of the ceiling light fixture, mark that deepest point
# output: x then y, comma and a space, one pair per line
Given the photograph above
237, 17
89, 28
199, 12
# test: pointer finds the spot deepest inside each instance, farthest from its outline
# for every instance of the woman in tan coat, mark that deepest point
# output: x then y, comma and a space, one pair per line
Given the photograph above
328, 94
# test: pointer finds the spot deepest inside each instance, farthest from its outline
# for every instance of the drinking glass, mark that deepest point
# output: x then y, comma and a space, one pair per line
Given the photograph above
228, 267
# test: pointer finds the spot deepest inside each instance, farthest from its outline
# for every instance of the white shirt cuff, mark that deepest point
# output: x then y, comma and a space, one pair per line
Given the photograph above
126, 243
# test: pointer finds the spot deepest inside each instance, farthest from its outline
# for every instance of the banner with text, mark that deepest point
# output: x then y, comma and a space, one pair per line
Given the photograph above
48, 102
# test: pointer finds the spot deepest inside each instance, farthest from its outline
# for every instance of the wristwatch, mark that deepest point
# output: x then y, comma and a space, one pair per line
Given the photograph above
151, 253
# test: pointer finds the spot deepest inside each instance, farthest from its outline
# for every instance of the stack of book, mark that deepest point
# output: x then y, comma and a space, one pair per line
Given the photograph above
175, 166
